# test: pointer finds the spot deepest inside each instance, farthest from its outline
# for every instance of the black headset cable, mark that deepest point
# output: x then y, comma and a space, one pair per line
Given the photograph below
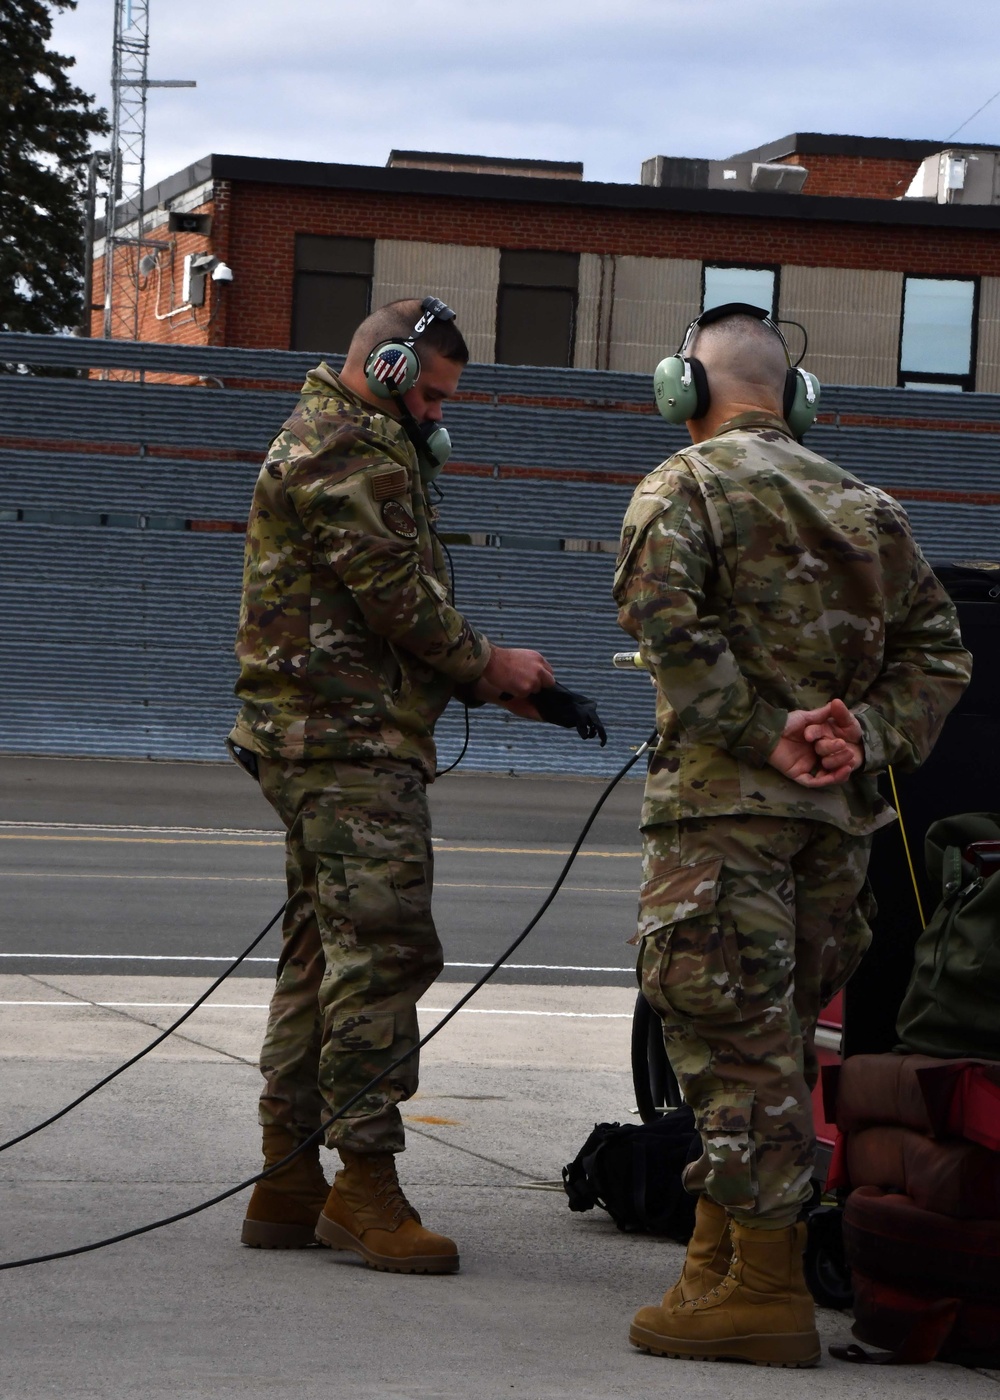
355, 1098
451, 575
30, 1132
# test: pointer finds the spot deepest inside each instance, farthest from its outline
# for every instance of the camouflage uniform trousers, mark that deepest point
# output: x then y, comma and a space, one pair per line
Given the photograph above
359, 949
749, 926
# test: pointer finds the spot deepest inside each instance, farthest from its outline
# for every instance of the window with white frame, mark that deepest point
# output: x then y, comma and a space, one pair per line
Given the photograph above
937, 336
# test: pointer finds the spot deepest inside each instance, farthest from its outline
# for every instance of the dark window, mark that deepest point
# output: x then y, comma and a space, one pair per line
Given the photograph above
333, 291
757, 286
937, 339
536, 308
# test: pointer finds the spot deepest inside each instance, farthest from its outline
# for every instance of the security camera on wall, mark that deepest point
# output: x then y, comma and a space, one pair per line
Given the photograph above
197, 267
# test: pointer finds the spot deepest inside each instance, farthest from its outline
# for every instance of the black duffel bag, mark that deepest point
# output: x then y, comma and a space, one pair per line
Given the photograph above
633, 1171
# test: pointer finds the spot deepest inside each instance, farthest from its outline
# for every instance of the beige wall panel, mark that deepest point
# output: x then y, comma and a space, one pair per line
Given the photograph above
988, 349
466, 278
654, 299
585, 349
852, 318
594, 310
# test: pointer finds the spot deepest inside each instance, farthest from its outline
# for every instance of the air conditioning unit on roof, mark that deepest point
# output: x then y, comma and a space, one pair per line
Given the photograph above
786, 179
957, 177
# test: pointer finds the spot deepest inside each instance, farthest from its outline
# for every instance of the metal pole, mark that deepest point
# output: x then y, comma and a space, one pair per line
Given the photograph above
89, 210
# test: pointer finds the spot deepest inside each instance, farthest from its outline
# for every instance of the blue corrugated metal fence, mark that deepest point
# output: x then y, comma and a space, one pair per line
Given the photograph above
121, 503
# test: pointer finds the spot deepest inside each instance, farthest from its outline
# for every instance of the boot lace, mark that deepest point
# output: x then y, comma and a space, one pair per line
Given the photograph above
388, 1194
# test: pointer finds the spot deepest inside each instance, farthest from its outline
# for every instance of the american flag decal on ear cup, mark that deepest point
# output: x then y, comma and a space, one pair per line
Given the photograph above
390, 366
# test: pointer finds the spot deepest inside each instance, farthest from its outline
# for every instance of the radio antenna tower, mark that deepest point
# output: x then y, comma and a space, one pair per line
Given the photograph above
127, 173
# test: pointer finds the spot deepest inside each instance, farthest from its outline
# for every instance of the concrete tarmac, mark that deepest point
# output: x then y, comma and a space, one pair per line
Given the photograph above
509, 1091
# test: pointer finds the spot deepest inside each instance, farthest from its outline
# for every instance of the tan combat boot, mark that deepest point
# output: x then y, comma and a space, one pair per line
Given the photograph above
283, 1210
709, 1252
367, 1212
761, 1312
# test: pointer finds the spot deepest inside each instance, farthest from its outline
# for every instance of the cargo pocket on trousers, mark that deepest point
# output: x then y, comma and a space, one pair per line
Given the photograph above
731, 1178
363, 1030
690, 963
388, 898
855, 940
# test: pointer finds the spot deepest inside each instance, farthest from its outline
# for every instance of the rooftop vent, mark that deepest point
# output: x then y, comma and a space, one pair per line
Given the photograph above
788, 179
735, 174
957, 177
486, 165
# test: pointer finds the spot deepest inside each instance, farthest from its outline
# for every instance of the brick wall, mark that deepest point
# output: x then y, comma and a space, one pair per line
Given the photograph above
160, 290
858, 177
264, 219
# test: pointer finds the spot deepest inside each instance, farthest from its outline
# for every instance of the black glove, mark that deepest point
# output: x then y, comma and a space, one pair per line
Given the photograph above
570, 710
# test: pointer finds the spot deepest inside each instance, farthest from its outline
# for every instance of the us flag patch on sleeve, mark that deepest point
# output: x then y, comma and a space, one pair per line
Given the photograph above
390, 483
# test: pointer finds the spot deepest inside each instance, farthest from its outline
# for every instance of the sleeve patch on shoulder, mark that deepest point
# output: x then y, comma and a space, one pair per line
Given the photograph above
628, 535
399, 520
387, 484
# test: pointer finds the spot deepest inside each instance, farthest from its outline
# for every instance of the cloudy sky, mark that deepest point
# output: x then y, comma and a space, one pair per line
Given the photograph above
607, 83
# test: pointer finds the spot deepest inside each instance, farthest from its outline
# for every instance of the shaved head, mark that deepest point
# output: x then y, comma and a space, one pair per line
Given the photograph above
745, 362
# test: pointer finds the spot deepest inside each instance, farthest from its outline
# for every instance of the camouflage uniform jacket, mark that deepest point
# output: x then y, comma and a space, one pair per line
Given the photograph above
348, 644
759, 578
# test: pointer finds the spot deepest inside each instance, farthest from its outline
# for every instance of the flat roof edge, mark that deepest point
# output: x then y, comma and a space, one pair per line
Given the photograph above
594, 194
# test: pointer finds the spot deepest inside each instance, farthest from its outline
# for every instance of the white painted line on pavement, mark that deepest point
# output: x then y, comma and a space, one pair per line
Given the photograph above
200, 957
262, 1006
139, 957
491, 1011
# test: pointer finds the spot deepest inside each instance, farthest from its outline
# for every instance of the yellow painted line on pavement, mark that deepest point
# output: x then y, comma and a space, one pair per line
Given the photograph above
565, 889
537, 851
134, 840
280, 880
104, 875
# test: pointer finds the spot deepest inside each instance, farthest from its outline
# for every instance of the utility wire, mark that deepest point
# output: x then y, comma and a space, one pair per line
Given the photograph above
355, 1098
974, 115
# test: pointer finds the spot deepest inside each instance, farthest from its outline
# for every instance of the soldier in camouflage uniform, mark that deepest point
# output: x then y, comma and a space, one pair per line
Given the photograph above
800, 644
349, 650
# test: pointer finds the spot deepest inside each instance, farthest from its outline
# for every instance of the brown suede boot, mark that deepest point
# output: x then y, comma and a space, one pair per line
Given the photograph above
367, 1212
283, 1210
709, 1252
761, 1312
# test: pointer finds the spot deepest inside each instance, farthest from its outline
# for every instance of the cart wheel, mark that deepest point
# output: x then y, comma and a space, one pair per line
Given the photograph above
655, 1084
828, 1277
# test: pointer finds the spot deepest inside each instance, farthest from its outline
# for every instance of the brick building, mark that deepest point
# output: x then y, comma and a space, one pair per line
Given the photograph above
887, 250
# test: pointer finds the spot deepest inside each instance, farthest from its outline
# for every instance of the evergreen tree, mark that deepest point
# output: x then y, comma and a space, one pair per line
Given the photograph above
46, 126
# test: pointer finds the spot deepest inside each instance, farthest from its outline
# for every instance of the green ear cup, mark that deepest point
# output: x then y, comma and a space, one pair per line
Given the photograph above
802, 394
675, 389
434, 452
391, 369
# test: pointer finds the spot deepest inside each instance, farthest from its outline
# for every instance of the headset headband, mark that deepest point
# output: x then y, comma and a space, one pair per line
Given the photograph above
432, 309
733, 308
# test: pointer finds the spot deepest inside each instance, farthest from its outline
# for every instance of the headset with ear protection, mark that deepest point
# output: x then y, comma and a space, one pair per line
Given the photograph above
391, 370
681, 384
393, 366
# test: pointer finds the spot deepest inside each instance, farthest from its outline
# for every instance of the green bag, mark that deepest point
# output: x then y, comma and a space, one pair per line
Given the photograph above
952, 1004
